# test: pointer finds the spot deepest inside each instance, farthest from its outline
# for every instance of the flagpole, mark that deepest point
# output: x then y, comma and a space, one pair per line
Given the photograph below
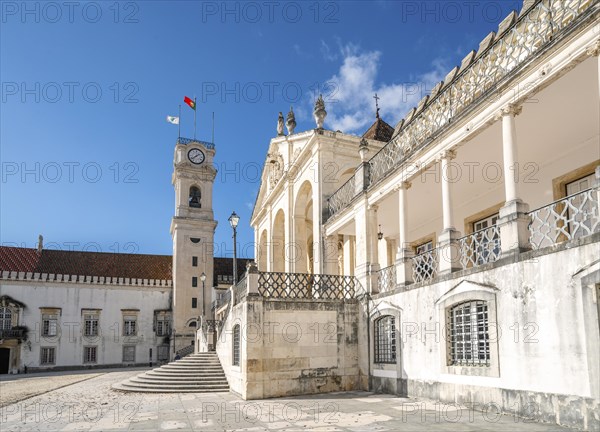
195, 110
179, 122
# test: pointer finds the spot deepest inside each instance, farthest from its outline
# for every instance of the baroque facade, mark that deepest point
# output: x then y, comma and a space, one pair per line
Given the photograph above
454, 256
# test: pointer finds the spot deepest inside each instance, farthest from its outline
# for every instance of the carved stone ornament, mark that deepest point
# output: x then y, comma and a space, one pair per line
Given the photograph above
290, 122
280, 124
319, 112
275, 169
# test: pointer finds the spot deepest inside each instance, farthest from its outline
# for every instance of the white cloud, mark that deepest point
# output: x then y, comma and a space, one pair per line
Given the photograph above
350, 103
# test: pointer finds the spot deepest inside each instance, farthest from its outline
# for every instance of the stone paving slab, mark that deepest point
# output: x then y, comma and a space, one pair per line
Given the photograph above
92, 405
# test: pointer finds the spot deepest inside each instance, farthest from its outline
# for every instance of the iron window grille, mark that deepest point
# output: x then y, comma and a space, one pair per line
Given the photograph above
90, 325
5, 318
49, 325
470, 344
129, 326
385, 340
236, 345
48, 356
90, 354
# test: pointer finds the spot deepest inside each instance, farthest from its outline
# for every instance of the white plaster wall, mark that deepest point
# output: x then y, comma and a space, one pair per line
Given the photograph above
74, 297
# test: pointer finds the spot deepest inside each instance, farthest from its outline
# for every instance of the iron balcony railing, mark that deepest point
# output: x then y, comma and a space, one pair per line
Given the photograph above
478, 79
306, 286
386, 279
12, 334
425, 266
566, 219
342, 197
480, 247
186, 141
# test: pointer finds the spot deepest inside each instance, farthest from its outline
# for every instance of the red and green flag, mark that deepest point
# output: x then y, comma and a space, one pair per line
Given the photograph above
190, 102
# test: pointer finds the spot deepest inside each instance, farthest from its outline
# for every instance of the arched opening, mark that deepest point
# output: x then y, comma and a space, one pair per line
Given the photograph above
278, 258
195, 197
303, 229
262, 251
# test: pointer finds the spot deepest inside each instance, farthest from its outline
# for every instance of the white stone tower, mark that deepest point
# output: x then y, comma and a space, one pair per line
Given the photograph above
192, 230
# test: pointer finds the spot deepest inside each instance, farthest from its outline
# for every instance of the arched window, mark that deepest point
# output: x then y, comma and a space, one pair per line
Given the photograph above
192, 324
470, 340
194, 199
236, 345
5, 318
385, 340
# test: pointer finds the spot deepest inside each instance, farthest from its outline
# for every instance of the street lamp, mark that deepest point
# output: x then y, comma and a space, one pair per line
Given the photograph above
203, 279
234, 219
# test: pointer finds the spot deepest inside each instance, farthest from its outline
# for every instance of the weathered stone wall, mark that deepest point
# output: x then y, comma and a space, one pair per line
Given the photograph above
545, 355
292, 347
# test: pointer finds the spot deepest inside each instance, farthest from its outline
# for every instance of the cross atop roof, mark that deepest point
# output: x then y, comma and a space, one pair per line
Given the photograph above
376, 105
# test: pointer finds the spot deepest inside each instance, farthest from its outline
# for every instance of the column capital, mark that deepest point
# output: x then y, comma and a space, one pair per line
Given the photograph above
447, 154
403, 185
509, 110
373, 207
594, 49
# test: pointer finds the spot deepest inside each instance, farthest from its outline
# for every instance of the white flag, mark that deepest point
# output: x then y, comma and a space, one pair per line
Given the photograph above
173, 120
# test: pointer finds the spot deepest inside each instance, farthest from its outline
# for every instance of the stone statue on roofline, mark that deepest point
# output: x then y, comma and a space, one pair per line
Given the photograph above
319, 112
291, 121
280, 124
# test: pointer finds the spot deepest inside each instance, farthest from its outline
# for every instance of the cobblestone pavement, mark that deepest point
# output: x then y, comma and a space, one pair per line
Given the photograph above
91, 405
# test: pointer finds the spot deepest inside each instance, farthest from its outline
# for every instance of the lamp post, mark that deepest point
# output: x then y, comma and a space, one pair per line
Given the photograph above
233, 221
203, 279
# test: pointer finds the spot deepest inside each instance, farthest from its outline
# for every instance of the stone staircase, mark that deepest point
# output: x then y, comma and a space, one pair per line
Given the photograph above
196, 373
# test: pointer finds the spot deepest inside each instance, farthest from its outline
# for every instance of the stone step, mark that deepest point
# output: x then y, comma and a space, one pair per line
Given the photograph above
122, 387
132, 383
163, 378
169, 375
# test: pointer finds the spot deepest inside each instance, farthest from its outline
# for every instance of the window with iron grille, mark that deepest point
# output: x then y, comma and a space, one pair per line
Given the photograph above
129, 326
90, 325
194, 281
5, 318
385, 340
470, 345
194, 302
90, 354
236, 345
129, 354
194, 261
49, 324
48, 356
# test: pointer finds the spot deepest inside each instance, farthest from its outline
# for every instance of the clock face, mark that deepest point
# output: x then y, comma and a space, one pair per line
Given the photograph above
196, 156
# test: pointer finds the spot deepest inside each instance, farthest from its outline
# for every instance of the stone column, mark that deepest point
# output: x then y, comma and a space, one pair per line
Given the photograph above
404, 253
594, 51
373, 248
513, 221
269, 244
348, 256
330, 255
448, 252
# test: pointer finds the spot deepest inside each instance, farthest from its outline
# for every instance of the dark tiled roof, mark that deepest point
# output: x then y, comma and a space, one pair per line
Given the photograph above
136, 266
224, 267
379, 131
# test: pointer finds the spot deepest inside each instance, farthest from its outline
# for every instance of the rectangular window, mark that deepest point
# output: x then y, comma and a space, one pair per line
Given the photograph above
90, 354
194, 281
163, 327
194, 261
129, 354
194, 302
129, 325
236, 345
5, 318
385, 340
48, 356
486, 239
49, 324
470, 345
90, 325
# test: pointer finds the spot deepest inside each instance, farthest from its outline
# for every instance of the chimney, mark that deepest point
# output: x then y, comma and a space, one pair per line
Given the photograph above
40, 243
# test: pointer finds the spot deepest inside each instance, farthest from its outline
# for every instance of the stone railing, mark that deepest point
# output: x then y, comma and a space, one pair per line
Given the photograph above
186, 141
306, 286
187, 350
500, 56
480, 247
342, 197
425, 266
221, 300
82, 279
386, 279
569, 218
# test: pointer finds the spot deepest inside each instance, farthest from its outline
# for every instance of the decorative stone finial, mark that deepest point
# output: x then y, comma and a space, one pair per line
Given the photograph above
280, 124
319, 112
40, 245
291, 121
363, 149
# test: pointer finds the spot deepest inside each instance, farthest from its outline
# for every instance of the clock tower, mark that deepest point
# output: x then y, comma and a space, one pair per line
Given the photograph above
192, 230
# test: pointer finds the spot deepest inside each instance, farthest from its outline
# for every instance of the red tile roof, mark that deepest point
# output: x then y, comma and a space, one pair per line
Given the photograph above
135, 266
379, 131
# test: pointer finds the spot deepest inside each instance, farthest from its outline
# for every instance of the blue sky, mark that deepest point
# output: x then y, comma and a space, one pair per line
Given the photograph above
86, 151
